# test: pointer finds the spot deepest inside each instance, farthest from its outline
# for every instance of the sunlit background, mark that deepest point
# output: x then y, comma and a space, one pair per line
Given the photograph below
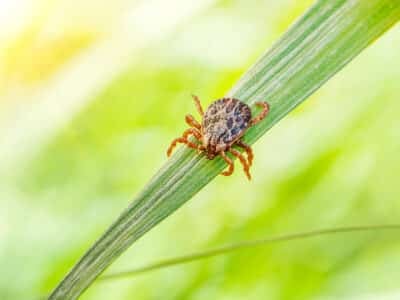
91, 94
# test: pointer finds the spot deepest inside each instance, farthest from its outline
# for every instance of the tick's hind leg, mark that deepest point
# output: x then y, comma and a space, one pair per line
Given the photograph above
198, 105
263, 114
191, 121
230, 164
248, 150
184, 140
243, 161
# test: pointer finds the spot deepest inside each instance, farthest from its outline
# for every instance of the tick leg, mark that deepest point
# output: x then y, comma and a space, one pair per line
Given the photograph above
184, 140
197, 134
263, 114
230, 164
243, 161
198, 105
192, 131
248, 150
191, 121
180, 140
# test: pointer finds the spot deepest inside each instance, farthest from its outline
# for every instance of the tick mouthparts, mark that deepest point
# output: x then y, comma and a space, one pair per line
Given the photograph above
210, 155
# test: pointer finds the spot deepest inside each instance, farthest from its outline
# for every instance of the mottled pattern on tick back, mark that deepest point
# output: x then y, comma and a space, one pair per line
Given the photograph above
224, 122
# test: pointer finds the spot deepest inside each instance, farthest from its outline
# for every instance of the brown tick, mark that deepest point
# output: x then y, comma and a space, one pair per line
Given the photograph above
223, 125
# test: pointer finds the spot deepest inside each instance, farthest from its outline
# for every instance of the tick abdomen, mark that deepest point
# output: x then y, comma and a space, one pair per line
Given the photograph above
225, 121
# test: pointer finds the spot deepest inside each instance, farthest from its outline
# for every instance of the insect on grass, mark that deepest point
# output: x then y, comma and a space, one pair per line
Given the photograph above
223, 126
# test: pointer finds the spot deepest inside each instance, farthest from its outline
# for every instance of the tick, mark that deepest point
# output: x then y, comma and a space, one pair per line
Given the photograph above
223, 125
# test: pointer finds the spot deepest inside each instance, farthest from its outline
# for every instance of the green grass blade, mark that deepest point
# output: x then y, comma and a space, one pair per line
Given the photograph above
320, 43
244, 245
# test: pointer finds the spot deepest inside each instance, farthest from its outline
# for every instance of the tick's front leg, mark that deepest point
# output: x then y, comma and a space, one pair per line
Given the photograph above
184, 140
243, 161
230, 164
248, 150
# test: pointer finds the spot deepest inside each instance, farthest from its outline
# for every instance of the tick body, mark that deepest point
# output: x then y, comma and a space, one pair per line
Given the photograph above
223, 125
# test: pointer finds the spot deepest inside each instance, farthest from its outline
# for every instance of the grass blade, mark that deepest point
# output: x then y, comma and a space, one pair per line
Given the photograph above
320, 43
244, 245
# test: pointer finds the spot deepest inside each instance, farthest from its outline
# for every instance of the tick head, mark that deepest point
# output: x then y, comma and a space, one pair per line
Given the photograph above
210, 154
209, 147
210, 150
212, 145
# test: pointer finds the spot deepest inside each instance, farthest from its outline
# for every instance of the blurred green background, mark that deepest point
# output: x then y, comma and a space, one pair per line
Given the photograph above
91, 94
